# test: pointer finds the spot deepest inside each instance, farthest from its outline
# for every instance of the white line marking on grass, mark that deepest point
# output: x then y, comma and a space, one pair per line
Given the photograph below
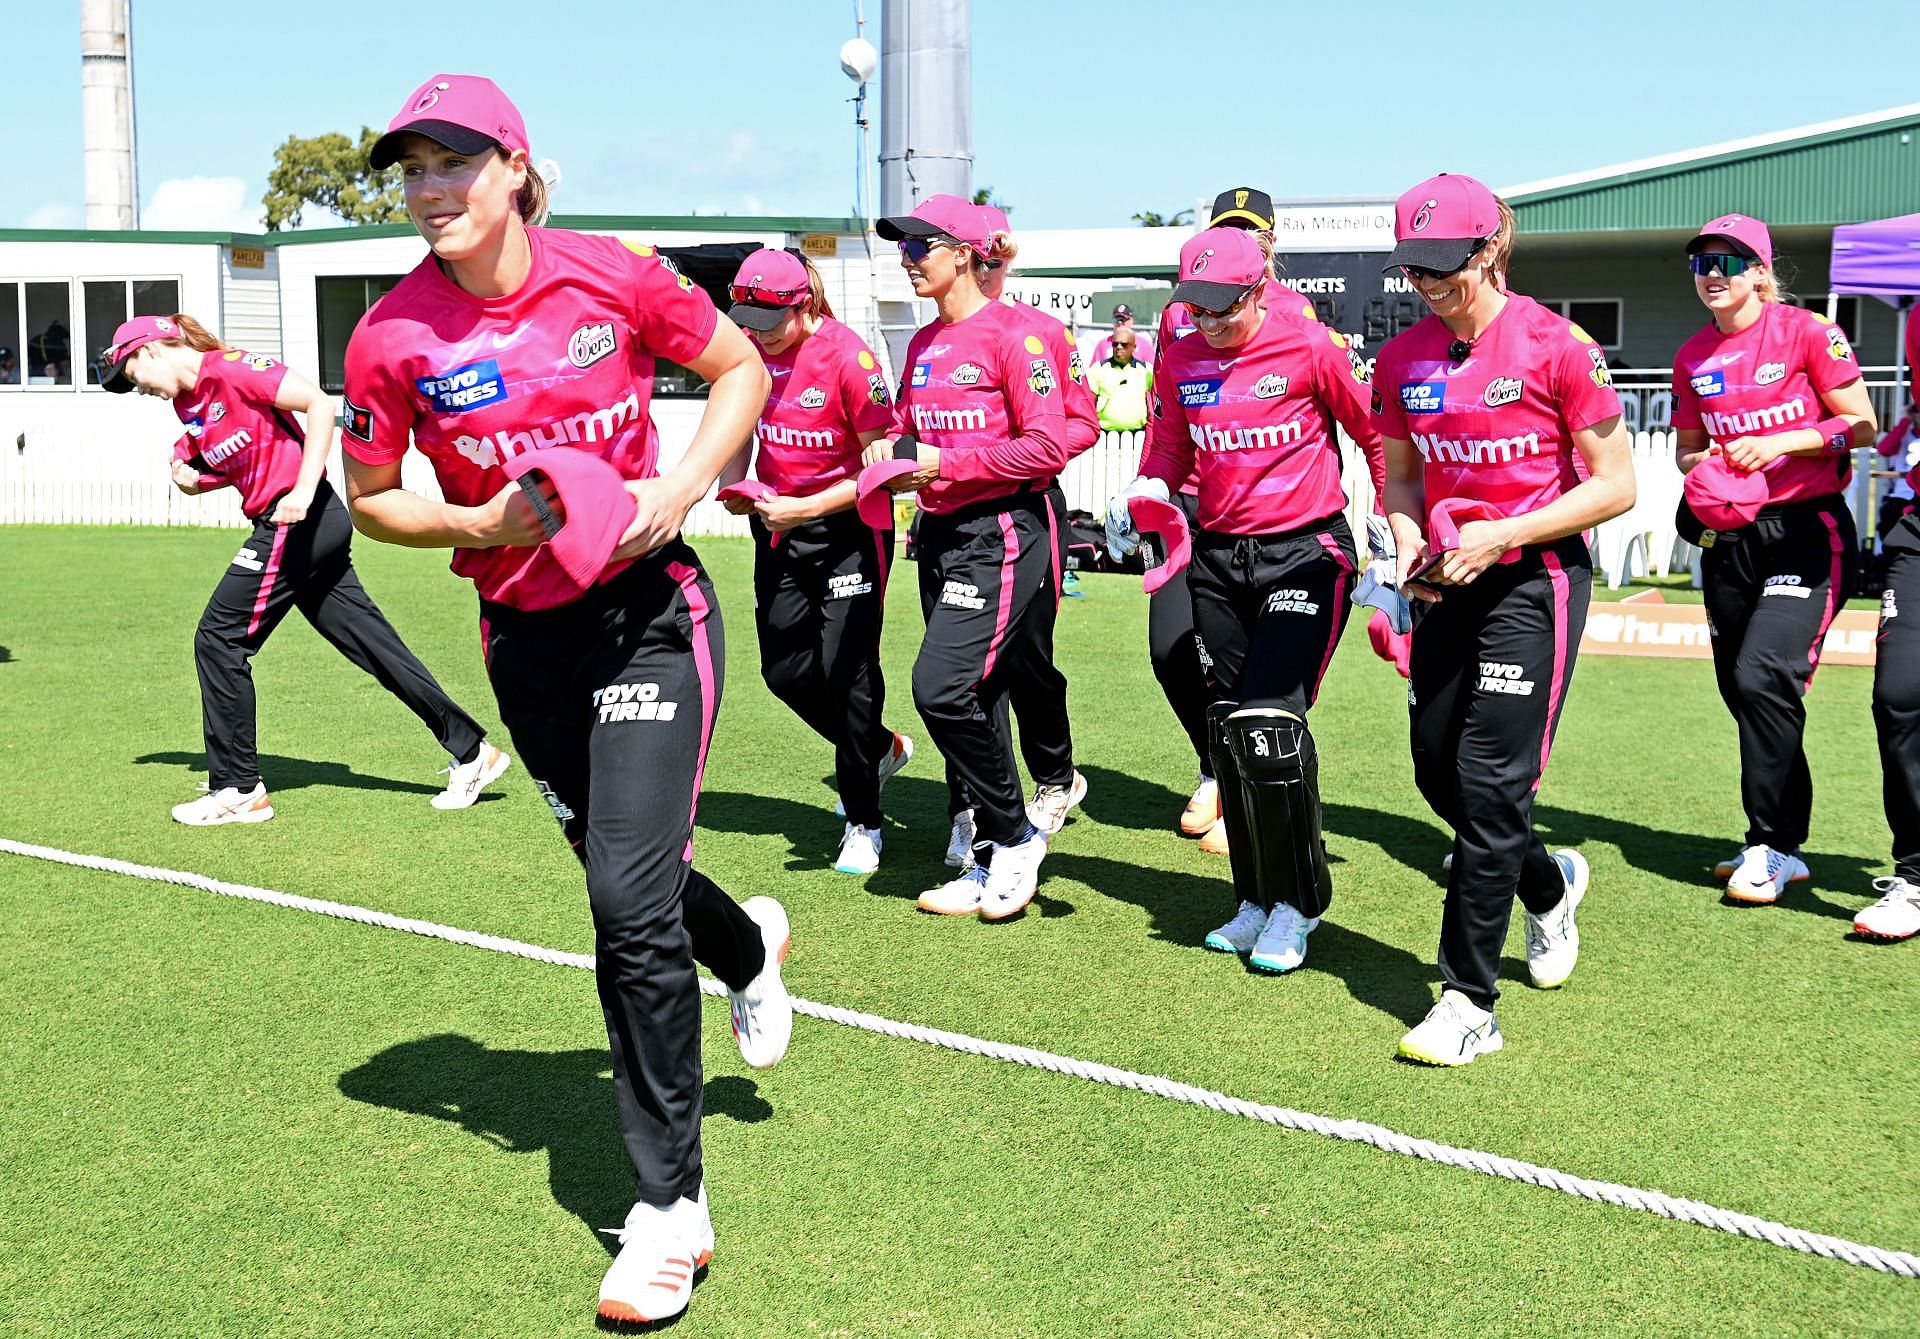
1358, 1132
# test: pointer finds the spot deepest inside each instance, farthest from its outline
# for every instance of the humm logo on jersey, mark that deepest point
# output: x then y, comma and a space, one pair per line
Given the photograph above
1423, 397
464, 388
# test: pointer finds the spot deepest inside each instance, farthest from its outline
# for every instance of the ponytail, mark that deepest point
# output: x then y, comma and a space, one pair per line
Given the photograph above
194, 335
1499, 248
531, 200
817, 305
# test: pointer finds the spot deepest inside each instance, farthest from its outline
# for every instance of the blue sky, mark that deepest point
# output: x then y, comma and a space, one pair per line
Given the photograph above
1083, 113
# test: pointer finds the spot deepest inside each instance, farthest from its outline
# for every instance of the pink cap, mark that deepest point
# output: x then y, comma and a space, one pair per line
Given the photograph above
1152, 516
995, 219
1450, 513
873, 499
1442, 222
128, 340
768, 283
595, 508
1217, 266
1724, 496
1746, 232
462, 111
1396, 648
941, 216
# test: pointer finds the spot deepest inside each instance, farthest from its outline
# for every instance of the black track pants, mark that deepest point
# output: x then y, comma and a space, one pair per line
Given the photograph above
1491, 664
308, 567
819, 596
611, 701
983, 589
1896, 695
1268, 611
1173, 647
1035, 686
1772, 590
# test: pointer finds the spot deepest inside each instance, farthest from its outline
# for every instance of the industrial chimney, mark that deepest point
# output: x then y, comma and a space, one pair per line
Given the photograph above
106, 105
926, 102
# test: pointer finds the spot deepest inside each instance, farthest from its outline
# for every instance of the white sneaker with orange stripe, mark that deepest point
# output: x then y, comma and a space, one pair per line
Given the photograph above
226, 805
465, 780
660, 1252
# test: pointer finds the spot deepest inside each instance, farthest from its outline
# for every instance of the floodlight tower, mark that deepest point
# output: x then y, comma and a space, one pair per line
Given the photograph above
926, 102
106, 108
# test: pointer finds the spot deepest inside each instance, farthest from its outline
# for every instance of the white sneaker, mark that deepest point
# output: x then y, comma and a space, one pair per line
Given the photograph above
1239, 934
960, 844
1014, 877
1724, 870
859, 850
956, 897
1047, 810
1894, 916
1454, 1032
660, 1251
763, 1012
1553, 940
1282, 945
897, 757
226, 805
1446, 863
1763, 874
1203, 809
465, 780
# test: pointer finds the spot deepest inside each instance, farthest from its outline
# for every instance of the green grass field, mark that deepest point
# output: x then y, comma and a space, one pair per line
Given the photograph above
220, 1118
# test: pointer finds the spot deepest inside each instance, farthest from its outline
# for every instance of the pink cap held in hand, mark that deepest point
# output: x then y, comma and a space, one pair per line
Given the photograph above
1724, 496
1152, 516
464, 112
873, 499
595, 508
1747, 234
1449, 514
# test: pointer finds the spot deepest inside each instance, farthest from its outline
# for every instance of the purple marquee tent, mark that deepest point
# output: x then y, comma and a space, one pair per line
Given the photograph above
1881, 259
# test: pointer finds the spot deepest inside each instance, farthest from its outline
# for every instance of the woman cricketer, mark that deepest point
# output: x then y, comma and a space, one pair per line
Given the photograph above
238, 410
510, 340
1484, 407
1775, 391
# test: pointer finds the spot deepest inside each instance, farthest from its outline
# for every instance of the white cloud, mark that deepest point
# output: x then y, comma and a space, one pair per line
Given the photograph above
203, 204
54, 214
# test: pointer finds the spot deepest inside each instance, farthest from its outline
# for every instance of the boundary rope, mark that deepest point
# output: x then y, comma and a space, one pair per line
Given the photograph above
1901, 1263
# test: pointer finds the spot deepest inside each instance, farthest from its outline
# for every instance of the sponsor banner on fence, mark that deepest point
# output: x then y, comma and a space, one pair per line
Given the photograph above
1646, 625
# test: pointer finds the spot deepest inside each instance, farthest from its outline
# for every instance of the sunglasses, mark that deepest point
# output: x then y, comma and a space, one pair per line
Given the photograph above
1729, 266
1202, 314
765, 297
916, 249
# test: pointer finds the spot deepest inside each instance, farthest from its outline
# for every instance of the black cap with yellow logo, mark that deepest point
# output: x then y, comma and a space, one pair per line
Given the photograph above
1242, 207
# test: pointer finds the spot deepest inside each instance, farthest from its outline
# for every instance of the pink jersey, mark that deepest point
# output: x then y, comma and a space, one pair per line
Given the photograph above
1143, 348
1768, 379
1253, 420
1499, 426
1083, 412
983, 391
565, 361
827, 390
1913, 361
235, 436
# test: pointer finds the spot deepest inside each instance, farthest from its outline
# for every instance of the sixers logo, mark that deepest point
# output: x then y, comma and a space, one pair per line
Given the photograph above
1423, 216
591, 343
813, 398
431, 97
1200, 262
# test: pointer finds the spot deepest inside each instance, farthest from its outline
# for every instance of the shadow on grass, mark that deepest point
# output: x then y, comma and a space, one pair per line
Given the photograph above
1688, 858
283, 773
561, 1102
6, 655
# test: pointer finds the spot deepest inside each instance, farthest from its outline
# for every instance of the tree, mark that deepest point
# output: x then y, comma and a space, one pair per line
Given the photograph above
331, 171
1146, 218
984, 196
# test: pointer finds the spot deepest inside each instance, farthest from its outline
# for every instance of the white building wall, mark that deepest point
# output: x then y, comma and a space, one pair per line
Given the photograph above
250, 303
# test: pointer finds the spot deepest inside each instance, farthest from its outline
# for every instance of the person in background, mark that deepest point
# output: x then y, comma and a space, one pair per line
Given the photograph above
9, 367
1900, 445
819, 571
238, 410
1772, 391
1144, 348
1122, 385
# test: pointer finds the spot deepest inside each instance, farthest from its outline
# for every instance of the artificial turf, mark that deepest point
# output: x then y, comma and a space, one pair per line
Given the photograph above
219, 1118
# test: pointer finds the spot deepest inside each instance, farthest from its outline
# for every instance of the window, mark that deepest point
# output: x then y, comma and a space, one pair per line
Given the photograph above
11, 351
1603, 318
46, 338
341, 302
108, 302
